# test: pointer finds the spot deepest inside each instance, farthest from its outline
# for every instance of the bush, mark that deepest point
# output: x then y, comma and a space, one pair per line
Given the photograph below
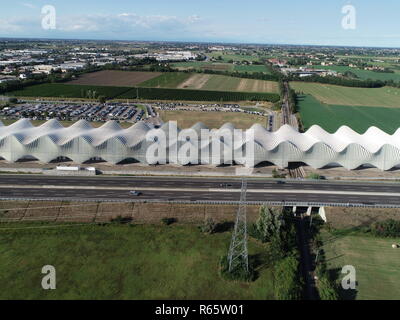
388, 228
209, 226
287, 283
168, 221
277, 175
237, 274
327, 289
314, 176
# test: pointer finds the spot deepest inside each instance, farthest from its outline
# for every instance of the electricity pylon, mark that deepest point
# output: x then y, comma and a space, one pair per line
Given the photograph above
238, 257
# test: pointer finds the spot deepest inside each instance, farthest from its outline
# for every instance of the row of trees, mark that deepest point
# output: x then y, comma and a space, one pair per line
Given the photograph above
275, 226
341, 81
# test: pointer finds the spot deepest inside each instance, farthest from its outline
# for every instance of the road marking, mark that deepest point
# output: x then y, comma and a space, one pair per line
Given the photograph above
214, 190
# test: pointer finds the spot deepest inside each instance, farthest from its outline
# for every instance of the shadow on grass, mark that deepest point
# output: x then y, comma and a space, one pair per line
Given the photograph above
121, 220
224, 227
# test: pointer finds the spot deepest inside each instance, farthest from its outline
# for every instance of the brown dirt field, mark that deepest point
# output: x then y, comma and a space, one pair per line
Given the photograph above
216, 66
115, 78
19, 209
341, 218
186, 119
47, 209
107, 211
78, 212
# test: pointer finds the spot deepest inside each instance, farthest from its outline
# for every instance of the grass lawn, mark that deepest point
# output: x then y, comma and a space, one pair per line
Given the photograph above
123, 262
212, 120
376, 262
348, 96
332, 117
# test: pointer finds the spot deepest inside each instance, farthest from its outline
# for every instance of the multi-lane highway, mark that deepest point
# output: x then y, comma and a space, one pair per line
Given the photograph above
196, 189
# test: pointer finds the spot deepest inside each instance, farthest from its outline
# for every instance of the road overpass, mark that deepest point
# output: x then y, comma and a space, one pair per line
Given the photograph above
199, 190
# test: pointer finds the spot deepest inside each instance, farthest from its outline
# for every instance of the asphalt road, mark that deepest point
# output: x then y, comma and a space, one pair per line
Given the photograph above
194, 189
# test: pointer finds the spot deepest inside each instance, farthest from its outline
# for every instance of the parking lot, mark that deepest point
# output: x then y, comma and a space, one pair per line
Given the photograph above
73, 112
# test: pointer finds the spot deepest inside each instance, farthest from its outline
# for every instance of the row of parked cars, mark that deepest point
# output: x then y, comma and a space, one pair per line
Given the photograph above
90, 112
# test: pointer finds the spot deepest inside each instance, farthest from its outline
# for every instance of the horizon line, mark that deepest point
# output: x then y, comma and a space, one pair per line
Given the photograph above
200, 42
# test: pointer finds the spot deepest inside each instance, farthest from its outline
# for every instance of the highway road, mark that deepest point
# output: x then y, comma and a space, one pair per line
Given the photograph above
195, 189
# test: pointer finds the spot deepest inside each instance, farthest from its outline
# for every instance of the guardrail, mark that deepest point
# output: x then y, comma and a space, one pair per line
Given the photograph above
213, 202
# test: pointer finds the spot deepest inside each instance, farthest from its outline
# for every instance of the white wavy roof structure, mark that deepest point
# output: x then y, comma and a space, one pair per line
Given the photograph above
81, 142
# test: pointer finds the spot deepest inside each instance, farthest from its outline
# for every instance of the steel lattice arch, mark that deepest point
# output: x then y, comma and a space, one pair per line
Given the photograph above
81, 142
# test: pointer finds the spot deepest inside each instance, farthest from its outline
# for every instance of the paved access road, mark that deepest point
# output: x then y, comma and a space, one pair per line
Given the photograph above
194, 189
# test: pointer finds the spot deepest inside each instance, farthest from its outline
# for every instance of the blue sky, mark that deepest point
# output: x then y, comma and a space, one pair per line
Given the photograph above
251, 21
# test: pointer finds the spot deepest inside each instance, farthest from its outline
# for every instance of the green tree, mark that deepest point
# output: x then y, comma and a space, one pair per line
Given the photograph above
102, 99
269, 224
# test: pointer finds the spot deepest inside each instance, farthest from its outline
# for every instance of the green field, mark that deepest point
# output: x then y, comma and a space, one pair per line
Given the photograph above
363, 74
124, 262
376, 262
226, 56
80, 91
166, 80
220, 66
349, 96
331, 117
251, 68
201, 81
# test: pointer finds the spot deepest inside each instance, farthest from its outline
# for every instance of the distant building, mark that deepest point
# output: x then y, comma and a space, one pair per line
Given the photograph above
44, 68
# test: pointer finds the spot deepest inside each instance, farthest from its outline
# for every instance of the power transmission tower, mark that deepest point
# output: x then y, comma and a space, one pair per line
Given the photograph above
238, 257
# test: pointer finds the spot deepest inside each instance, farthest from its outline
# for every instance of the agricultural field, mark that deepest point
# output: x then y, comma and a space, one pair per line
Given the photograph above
69, 91
251, 68
200, 65
200, 81
349, 96
227, 56
197, 95
123, 261
166, 80
83, 91
363, 74
376, 263
220, 66
212, 120
115, 78
332, 117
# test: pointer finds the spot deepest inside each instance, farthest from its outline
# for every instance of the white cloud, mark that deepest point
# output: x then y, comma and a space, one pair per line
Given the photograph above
28, 5
15, 25
124, 22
